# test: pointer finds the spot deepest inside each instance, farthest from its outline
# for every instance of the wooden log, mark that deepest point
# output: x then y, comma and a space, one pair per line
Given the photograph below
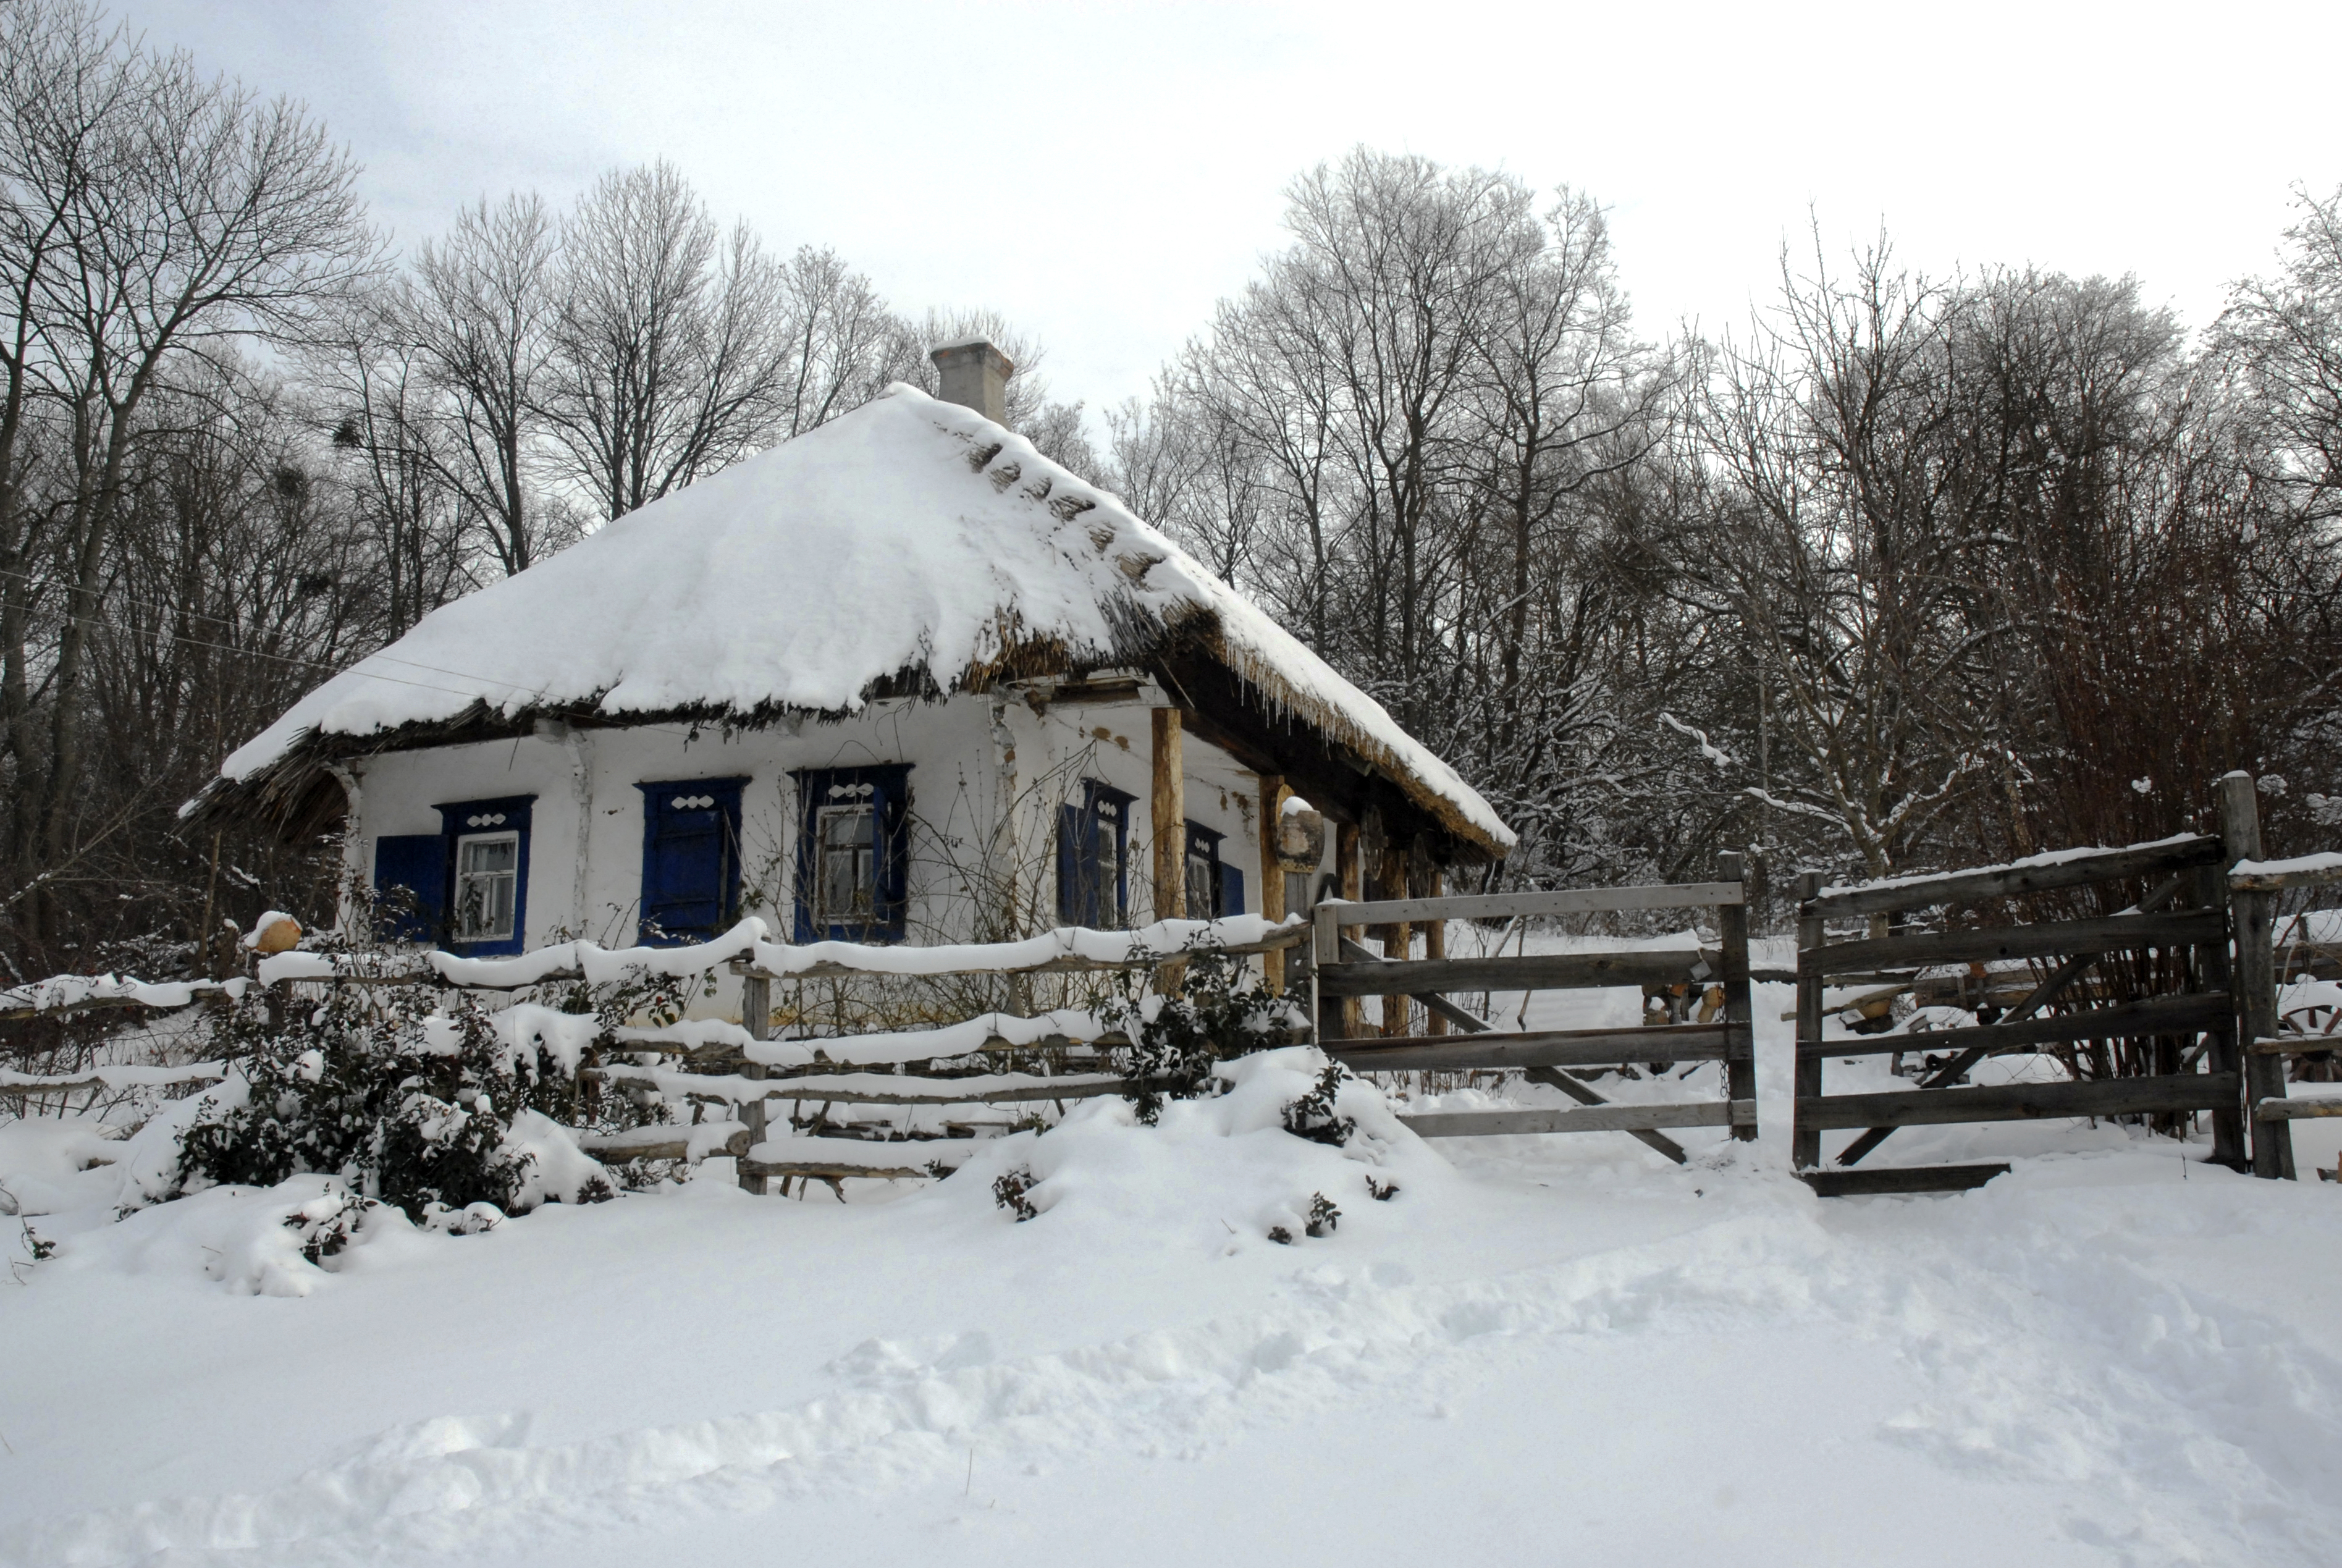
2043, 939
1610, 1118
1166, 802
2297, 1045
2278, 881
1540, 1048
1900, 1179
608, 1147
1732, 927
1573, 901
1805, 1075
2297, 1110
2187, 1014
2252, 920
912, 1092
1529, 972
2018, 1101
756, 1017
1272, 876
2008, 882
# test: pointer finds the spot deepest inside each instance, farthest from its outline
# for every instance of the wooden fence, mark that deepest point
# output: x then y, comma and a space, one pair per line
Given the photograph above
2212, 928
1343, 968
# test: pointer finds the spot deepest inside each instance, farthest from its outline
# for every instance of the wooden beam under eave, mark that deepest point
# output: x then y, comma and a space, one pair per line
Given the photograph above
1167, 809
1272, 876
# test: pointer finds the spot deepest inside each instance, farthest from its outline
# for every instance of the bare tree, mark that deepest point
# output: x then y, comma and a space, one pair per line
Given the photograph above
480, 310
672, 348
2282, 336
184, 215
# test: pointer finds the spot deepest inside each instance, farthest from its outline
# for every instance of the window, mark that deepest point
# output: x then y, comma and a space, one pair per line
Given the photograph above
691, 859
1093, 848
846, 853
483, 874
1202, 873
1214, 887
852, 853
487, 874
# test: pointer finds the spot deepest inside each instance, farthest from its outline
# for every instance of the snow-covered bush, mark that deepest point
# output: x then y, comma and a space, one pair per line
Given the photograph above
1219, 1012
407, 1093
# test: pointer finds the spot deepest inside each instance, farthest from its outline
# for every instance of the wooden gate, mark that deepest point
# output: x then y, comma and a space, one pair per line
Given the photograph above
2031, 968
1343, 968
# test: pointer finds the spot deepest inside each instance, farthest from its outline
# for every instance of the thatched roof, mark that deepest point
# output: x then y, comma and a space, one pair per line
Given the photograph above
910, 545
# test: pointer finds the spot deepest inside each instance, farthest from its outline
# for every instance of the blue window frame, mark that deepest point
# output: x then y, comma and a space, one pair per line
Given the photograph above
854, 852
414, 865
484, 881
1093, 855
1215, 888
691, 859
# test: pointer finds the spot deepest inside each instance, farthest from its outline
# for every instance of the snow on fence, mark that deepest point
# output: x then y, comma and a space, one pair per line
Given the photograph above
1344, 968
2212, 900
926, 1065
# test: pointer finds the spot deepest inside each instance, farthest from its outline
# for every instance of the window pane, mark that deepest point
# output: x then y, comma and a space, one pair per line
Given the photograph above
491, 855
487, 887
846, 873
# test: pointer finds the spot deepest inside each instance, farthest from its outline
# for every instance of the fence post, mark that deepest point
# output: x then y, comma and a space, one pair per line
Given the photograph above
2228, 1147
2252, 919
1805, 1143
1739, 1015
1326, 947
757, 1013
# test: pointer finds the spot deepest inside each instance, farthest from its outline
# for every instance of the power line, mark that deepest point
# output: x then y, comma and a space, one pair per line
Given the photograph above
332, 670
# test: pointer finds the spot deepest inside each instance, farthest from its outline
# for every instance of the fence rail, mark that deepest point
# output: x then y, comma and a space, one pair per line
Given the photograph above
1343, 969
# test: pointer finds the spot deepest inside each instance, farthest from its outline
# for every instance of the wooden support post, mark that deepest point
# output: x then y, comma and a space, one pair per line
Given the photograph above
1352, 879
1806, 1144
2228, 1147
756, 1015
1398, 938
1732, 931
1326, 937
1167, 819
1272, 876
1167, 806
2252, 919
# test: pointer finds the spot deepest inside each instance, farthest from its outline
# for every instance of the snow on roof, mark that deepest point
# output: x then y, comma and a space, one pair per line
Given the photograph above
909, 533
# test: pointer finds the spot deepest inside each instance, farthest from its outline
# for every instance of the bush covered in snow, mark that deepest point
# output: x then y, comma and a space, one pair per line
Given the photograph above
421, 1098
1217, 1013
409, 1099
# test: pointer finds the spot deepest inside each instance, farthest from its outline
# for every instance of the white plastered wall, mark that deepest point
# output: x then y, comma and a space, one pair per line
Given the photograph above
966, 755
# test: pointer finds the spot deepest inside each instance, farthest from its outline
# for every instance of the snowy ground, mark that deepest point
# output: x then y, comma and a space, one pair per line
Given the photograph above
1558, 1350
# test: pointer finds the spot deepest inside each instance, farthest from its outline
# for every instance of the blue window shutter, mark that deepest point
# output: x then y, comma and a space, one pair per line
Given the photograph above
1071, 906
1231, 891
691, 859
417, 862
894, 800
504, 814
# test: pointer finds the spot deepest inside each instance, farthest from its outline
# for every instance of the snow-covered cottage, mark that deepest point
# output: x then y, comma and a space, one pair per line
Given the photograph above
899, 679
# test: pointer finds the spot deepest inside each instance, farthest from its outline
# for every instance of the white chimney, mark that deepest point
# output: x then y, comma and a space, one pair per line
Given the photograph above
975, 375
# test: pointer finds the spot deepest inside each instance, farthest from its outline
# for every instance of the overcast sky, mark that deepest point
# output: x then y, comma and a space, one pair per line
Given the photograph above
1102, 174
